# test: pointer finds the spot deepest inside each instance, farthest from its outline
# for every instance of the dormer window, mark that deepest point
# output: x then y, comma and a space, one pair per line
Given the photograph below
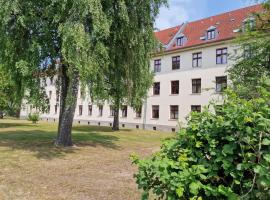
249, 24
211, 34
180, 41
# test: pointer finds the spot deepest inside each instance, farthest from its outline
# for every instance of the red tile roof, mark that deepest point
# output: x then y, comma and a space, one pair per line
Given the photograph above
166, 35
225, 23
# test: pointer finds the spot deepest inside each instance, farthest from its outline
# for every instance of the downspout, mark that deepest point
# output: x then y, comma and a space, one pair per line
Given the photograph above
144, 113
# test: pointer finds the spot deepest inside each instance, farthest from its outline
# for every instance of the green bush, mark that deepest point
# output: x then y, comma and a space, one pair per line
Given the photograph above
33, 117
218, 156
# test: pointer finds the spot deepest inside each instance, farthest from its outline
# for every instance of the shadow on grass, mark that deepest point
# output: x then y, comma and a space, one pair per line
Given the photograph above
85, 128
42, 142
12, 125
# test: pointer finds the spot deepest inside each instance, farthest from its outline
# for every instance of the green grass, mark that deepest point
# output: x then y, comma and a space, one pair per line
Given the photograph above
98, 167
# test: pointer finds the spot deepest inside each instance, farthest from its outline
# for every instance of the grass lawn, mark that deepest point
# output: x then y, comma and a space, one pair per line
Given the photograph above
31, 168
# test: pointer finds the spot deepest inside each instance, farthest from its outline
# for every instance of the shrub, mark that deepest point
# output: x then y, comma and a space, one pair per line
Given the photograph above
218, 156
33, 117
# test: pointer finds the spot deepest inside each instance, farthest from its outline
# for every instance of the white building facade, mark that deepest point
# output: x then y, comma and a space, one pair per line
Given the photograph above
189, 73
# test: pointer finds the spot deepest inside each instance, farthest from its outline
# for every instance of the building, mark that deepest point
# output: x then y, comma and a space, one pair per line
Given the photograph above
189, 72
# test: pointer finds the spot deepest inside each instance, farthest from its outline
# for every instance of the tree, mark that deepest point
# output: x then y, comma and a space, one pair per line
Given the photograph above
254, 61
9, 102
34, 34
129, 44
220, 155
69, 39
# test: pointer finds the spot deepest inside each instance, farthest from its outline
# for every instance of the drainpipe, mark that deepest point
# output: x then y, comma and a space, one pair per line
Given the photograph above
144, 113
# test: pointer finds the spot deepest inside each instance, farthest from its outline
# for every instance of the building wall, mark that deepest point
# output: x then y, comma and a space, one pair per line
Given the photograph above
207, 73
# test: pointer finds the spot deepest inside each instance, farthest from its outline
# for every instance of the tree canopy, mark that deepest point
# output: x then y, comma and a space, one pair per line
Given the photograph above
75, 41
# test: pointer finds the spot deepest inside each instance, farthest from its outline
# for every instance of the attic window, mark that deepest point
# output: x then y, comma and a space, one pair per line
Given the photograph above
249, 24
211, 34
180, 41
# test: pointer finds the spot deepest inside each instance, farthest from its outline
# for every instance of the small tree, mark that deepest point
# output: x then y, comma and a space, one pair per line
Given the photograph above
218, 156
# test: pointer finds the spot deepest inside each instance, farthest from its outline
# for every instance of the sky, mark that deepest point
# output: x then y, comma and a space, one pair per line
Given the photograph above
180, 11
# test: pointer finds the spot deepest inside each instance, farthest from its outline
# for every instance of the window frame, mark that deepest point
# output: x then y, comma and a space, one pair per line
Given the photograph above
211, 34
156, 88
124, 110
80, 110
157, 65
197, 58
223, 85
174, 112
176, 62
222, 56
175, 88
180, 41
196, 108
196, 85
100, 110
155, 111
90, 110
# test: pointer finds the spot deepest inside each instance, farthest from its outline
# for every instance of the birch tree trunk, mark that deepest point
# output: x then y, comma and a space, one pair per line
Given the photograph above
116, 116
68, 101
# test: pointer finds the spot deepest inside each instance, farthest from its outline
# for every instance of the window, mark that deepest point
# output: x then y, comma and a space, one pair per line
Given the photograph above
90, 110
112, 111
221, 83
156, 88
50, 94
157, 65
180, 41
175, 62
124, 111
249, 24
55, 109
139, 112
82, 94
174, 112
80, 110
211, 34
49, 109
196, 108
57, 95
100, 110
196, 86
155, 112
175, 87
197, 59
222, 55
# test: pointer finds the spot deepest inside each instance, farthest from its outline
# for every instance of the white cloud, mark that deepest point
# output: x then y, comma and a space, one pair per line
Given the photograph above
180, 11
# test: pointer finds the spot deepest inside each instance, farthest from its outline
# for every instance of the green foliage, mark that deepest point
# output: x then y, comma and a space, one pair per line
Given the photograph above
253, 62
218, 156
34, 117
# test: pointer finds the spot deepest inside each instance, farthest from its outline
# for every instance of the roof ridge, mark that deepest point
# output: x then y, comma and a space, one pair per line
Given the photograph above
220, 14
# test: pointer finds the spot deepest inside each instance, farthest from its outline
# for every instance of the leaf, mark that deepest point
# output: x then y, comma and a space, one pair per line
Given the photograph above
266, 141
267, 157
180, 191
194, 187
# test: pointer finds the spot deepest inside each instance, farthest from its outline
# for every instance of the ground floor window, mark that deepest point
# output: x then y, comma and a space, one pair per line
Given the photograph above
124, 111
196, 108
100, 110
80, 110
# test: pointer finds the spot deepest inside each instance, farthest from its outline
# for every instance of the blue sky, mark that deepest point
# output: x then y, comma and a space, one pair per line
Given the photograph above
180, 11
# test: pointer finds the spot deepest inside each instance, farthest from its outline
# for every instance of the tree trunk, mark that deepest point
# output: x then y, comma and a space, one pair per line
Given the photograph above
116, 116
1, 114
68, 101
